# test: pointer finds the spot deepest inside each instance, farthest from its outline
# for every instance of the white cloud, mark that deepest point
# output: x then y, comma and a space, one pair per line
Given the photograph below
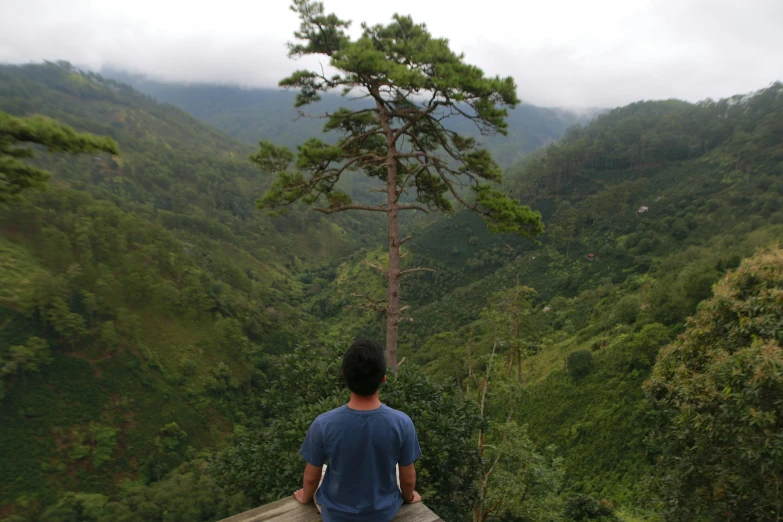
561, 52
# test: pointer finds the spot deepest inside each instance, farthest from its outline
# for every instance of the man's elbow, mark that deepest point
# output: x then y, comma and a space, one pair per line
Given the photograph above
407, 476
411, 483
312, 474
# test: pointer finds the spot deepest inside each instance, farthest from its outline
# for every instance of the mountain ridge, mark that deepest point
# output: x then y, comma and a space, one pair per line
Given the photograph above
242, 113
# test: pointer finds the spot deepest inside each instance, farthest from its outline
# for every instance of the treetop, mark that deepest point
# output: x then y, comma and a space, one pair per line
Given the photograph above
409, 84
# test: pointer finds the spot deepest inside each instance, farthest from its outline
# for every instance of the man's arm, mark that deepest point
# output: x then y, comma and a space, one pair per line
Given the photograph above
314, 453
408, 483
312, 476
409, 452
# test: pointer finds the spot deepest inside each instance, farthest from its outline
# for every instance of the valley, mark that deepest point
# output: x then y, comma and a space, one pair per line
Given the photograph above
185, 329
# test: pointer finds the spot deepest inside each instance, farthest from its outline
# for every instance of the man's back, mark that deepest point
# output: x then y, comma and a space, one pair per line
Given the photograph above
363, 448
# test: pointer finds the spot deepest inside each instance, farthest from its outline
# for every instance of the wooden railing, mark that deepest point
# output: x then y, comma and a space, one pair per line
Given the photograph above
289, 510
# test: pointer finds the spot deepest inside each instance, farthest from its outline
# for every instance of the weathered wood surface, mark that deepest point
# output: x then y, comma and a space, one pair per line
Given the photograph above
289, 510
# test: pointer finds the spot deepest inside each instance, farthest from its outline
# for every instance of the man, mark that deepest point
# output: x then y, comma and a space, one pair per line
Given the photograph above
364, 442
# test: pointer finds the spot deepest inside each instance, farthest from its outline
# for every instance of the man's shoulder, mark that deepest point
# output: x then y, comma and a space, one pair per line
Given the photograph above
397, 414
329, 415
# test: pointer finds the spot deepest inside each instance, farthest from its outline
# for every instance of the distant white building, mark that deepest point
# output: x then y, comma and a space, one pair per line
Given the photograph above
642, 209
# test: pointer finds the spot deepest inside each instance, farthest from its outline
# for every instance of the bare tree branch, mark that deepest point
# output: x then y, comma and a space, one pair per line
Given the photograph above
378, 268
376, 305
414, 207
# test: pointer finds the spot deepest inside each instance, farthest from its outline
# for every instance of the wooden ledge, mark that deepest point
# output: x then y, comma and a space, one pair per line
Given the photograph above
289, 510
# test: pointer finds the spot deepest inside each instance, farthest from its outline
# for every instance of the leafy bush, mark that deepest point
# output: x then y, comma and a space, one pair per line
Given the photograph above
105, 438
626, 310
76, 507
719, 388
582, 507
580, 363
266, 466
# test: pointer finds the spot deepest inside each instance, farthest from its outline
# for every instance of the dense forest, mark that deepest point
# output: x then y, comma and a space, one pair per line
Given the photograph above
158, 332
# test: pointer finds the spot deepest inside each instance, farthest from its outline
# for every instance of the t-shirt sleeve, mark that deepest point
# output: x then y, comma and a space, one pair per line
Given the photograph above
410, 445
313, 450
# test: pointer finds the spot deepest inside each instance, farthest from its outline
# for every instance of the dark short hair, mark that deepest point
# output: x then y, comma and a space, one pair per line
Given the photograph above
364, 366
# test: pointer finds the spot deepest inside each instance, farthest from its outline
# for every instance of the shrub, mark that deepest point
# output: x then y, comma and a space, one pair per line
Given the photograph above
626, 310
308, 384
187, 367
580, 363
105, 438
582, 507
718, 389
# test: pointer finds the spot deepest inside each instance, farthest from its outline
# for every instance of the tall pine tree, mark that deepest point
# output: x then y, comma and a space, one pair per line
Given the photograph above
414, 83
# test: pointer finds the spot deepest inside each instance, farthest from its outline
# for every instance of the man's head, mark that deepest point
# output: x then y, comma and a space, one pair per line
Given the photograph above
364, 367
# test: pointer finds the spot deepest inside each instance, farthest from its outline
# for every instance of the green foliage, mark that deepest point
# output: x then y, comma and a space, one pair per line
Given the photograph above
719, 388
626, 310
187, 495
580, 363
581, 507
16, 176
76, 507
162, 299
525, 481
506, 215
78, 450
266, 466
171, 450
599, 422
105, 440
648, 271
124, 268
415, 82
732, 134
27, 358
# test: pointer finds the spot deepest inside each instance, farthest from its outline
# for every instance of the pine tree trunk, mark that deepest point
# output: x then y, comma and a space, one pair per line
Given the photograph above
393, 289
393, 275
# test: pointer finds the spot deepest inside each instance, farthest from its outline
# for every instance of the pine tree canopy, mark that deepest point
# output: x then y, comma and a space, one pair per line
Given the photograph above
412, 84
15, 175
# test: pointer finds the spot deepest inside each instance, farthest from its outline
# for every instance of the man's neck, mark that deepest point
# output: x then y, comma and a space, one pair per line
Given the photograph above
359, 402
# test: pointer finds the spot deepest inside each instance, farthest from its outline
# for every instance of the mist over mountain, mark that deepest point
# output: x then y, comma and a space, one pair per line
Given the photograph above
253, 114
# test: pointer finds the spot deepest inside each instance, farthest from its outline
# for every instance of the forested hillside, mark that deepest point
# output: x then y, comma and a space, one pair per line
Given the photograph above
252, 114
139, 291
646, 208
158, 332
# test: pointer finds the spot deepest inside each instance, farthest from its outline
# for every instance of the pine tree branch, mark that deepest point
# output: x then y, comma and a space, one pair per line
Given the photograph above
431, 106
342, 208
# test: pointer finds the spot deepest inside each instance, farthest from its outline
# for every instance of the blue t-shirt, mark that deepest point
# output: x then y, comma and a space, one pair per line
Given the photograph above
363, 448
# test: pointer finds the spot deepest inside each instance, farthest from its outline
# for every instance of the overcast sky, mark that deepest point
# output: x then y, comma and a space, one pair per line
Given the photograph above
574, 53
